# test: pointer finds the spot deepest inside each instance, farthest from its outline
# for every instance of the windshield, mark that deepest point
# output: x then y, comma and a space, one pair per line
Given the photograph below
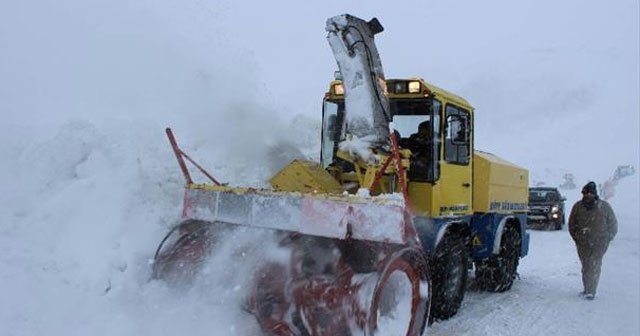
407, 115
543, 195
407, 125
333, 130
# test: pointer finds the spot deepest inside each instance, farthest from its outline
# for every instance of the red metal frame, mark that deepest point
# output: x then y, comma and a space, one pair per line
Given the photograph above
180, 156
410, 234
395, 151
395, 156
380, 173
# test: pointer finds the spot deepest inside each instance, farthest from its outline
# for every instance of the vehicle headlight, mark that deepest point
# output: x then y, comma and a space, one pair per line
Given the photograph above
555, 208
414, 87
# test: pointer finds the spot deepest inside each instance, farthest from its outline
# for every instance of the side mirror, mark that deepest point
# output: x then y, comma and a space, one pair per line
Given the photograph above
563, 198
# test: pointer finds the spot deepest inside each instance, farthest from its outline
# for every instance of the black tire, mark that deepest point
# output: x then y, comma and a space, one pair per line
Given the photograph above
449, 276
558, 225
498, 272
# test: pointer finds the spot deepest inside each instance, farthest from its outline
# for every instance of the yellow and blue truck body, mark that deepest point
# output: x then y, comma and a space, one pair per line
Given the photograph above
476, 190
469, 206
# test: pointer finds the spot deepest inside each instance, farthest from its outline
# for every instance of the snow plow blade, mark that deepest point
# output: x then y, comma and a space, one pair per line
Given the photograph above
338, 217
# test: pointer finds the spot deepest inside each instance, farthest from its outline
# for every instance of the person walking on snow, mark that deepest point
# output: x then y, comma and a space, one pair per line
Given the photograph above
592, 225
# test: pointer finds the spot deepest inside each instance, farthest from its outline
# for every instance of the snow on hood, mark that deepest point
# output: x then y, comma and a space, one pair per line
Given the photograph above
358, 147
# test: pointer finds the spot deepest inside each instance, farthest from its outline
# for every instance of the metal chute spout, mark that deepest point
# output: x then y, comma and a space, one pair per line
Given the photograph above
375, 26
352, 42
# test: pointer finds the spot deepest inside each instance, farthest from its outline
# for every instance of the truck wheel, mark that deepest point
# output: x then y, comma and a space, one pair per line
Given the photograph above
560, 223
402, 295
449, 276
498, 272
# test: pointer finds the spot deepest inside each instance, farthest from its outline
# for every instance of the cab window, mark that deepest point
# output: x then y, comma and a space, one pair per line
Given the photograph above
457, 135
333, 130
407, 117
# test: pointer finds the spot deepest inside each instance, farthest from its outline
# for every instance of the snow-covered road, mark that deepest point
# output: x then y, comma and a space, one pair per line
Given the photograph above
545, 300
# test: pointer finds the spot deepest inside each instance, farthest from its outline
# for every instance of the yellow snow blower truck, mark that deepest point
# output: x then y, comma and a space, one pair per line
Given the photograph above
382, 232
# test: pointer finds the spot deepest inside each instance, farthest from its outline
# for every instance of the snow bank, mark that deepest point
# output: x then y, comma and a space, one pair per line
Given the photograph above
84, 213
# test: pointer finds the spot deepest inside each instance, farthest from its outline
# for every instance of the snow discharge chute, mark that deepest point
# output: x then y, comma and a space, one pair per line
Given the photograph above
352, 42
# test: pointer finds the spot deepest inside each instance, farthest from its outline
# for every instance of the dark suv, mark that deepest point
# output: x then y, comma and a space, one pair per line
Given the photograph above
546, 208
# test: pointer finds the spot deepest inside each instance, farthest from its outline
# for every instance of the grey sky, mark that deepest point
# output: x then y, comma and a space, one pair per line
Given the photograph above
538, 72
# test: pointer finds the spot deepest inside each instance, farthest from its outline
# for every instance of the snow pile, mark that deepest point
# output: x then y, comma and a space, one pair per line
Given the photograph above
359, 147
84, 212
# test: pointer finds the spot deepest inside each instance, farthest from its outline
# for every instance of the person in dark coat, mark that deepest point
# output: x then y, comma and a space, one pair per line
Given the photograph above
592, 225
420, 144
418, 141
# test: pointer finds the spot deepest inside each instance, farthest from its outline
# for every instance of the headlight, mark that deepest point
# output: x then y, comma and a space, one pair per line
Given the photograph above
414, 87
338, 89
555, 208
